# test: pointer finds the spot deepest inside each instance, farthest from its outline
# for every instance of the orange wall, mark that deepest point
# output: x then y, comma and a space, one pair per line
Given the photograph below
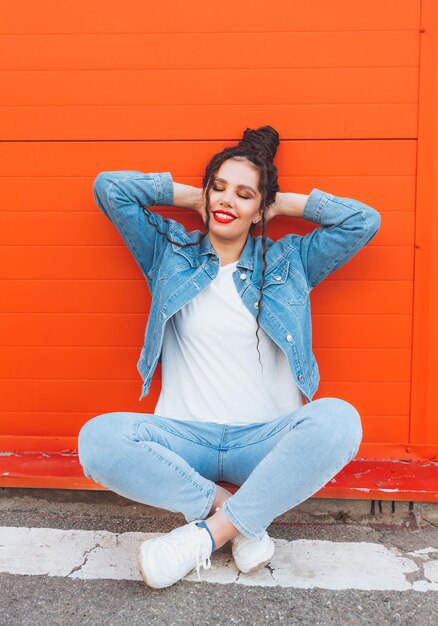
87, 88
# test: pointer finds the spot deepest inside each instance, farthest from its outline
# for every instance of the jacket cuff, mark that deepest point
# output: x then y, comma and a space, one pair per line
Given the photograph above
315, 205
164, 188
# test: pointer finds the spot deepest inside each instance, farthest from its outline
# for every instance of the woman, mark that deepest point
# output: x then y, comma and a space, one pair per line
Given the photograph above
230, 322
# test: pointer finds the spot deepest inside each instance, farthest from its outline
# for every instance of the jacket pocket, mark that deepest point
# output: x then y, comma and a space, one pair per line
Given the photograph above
286, 285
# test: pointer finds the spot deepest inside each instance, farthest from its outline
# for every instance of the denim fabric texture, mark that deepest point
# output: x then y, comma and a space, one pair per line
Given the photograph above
174, 464
295, 264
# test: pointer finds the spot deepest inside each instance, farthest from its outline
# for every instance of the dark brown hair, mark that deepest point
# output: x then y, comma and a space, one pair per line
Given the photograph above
258, 147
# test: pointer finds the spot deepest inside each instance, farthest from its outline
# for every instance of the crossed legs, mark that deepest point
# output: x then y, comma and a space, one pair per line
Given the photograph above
174, 465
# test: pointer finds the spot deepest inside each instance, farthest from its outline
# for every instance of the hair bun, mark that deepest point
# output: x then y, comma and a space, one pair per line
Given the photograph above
264, 141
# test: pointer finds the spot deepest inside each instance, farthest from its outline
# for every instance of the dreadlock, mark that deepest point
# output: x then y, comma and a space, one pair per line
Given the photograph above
258, 147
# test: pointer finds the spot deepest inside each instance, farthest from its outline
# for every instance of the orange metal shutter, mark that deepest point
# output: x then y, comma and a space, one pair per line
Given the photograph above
91, 89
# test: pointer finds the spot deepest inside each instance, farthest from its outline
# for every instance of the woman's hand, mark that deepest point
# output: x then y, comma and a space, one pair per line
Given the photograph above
286, 203
289, 204
271, 211
187, 197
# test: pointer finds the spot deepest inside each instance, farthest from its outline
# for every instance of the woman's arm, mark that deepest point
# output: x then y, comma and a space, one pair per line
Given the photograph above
187, 197
122, 195
346, 225
289, 204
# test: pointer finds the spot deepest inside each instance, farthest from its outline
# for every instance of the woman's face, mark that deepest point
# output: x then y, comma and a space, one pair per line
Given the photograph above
234, 200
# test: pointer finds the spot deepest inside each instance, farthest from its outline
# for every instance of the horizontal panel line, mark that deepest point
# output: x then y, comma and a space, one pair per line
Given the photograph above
358, 348
212, 32
202, 105
277, 68
185, 140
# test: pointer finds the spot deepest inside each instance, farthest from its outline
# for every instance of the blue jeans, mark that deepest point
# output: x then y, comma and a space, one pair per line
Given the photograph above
175, 464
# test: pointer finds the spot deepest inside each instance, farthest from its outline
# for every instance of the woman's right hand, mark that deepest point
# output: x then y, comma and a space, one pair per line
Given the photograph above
187, 197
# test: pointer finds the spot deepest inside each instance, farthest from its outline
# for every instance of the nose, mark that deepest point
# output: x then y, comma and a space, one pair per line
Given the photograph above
225, 200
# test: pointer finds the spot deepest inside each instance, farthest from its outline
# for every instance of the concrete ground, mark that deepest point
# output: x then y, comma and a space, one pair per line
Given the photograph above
382, 535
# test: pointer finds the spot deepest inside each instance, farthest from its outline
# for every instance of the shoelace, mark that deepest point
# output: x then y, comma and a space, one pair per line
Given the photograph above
202, 558
202, 554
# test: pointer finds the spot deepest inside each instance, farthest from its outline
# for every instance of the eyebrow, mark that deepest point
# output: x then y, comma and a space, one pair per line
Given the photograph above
222, 180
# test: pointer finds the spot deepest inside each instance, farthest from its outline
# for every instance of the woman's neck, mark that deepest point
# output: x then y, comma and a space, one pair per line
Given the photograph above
227, 251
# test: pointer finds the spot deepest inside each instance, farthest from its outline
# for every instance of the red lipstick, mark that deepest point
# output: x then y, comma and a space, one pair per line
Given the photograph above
223, 220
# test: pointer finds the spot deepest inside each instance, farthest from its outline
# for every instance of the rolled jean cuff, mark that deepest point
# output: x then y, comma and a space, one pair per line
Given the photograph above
240, 527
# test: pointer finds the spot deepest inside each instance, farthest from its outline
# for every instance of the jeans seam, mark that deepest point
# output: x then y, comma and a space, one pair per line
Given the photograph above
253, 443
210, 500
220, 464
170, 432
221, 453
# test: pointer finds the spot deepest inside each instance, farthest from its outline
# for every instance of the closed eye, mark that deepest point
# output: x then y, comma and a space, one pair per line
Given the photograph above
240, 196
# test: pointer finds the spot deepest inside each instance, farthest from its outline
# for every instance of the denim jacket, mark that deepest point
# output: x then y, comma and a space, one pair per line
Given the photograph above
295, 264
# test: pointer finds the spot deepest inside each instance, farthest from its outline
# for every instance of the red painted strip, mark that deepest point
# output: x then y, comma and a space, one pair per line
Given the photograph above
375, 479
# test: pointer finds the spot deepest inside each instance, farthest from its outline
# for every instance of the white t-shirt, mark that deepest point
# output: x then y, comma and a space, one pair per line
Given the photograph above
210, 364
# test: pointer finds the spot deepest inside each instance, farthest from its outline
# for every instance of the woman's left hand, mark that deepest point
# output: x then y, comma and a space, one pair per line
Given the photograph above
275, 207
271, 212
288, 204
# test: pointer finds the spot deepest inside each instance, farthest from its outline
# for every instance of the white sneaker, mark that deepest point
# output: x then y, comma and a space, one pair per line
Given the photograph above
251, 554
165, 560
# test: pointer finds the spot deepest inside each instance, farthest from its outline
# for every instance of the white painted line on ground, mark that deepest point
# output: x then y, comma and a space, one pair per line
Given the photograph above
302, 563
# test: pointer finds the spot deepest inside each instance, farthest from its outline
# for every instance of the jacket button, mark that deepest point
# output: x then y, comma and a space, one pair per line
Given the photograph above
256, 305
289, 337
277, 277
300, 377
243, 275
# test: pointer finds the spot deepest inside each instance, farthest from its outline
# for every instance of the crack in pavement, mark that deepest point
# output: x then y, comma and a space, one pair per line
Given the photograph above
87, 553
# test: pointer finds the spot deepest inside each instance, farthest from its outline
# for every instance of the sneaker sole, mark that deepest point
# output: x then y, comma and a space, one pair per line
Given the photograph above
258, 566
146, 580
